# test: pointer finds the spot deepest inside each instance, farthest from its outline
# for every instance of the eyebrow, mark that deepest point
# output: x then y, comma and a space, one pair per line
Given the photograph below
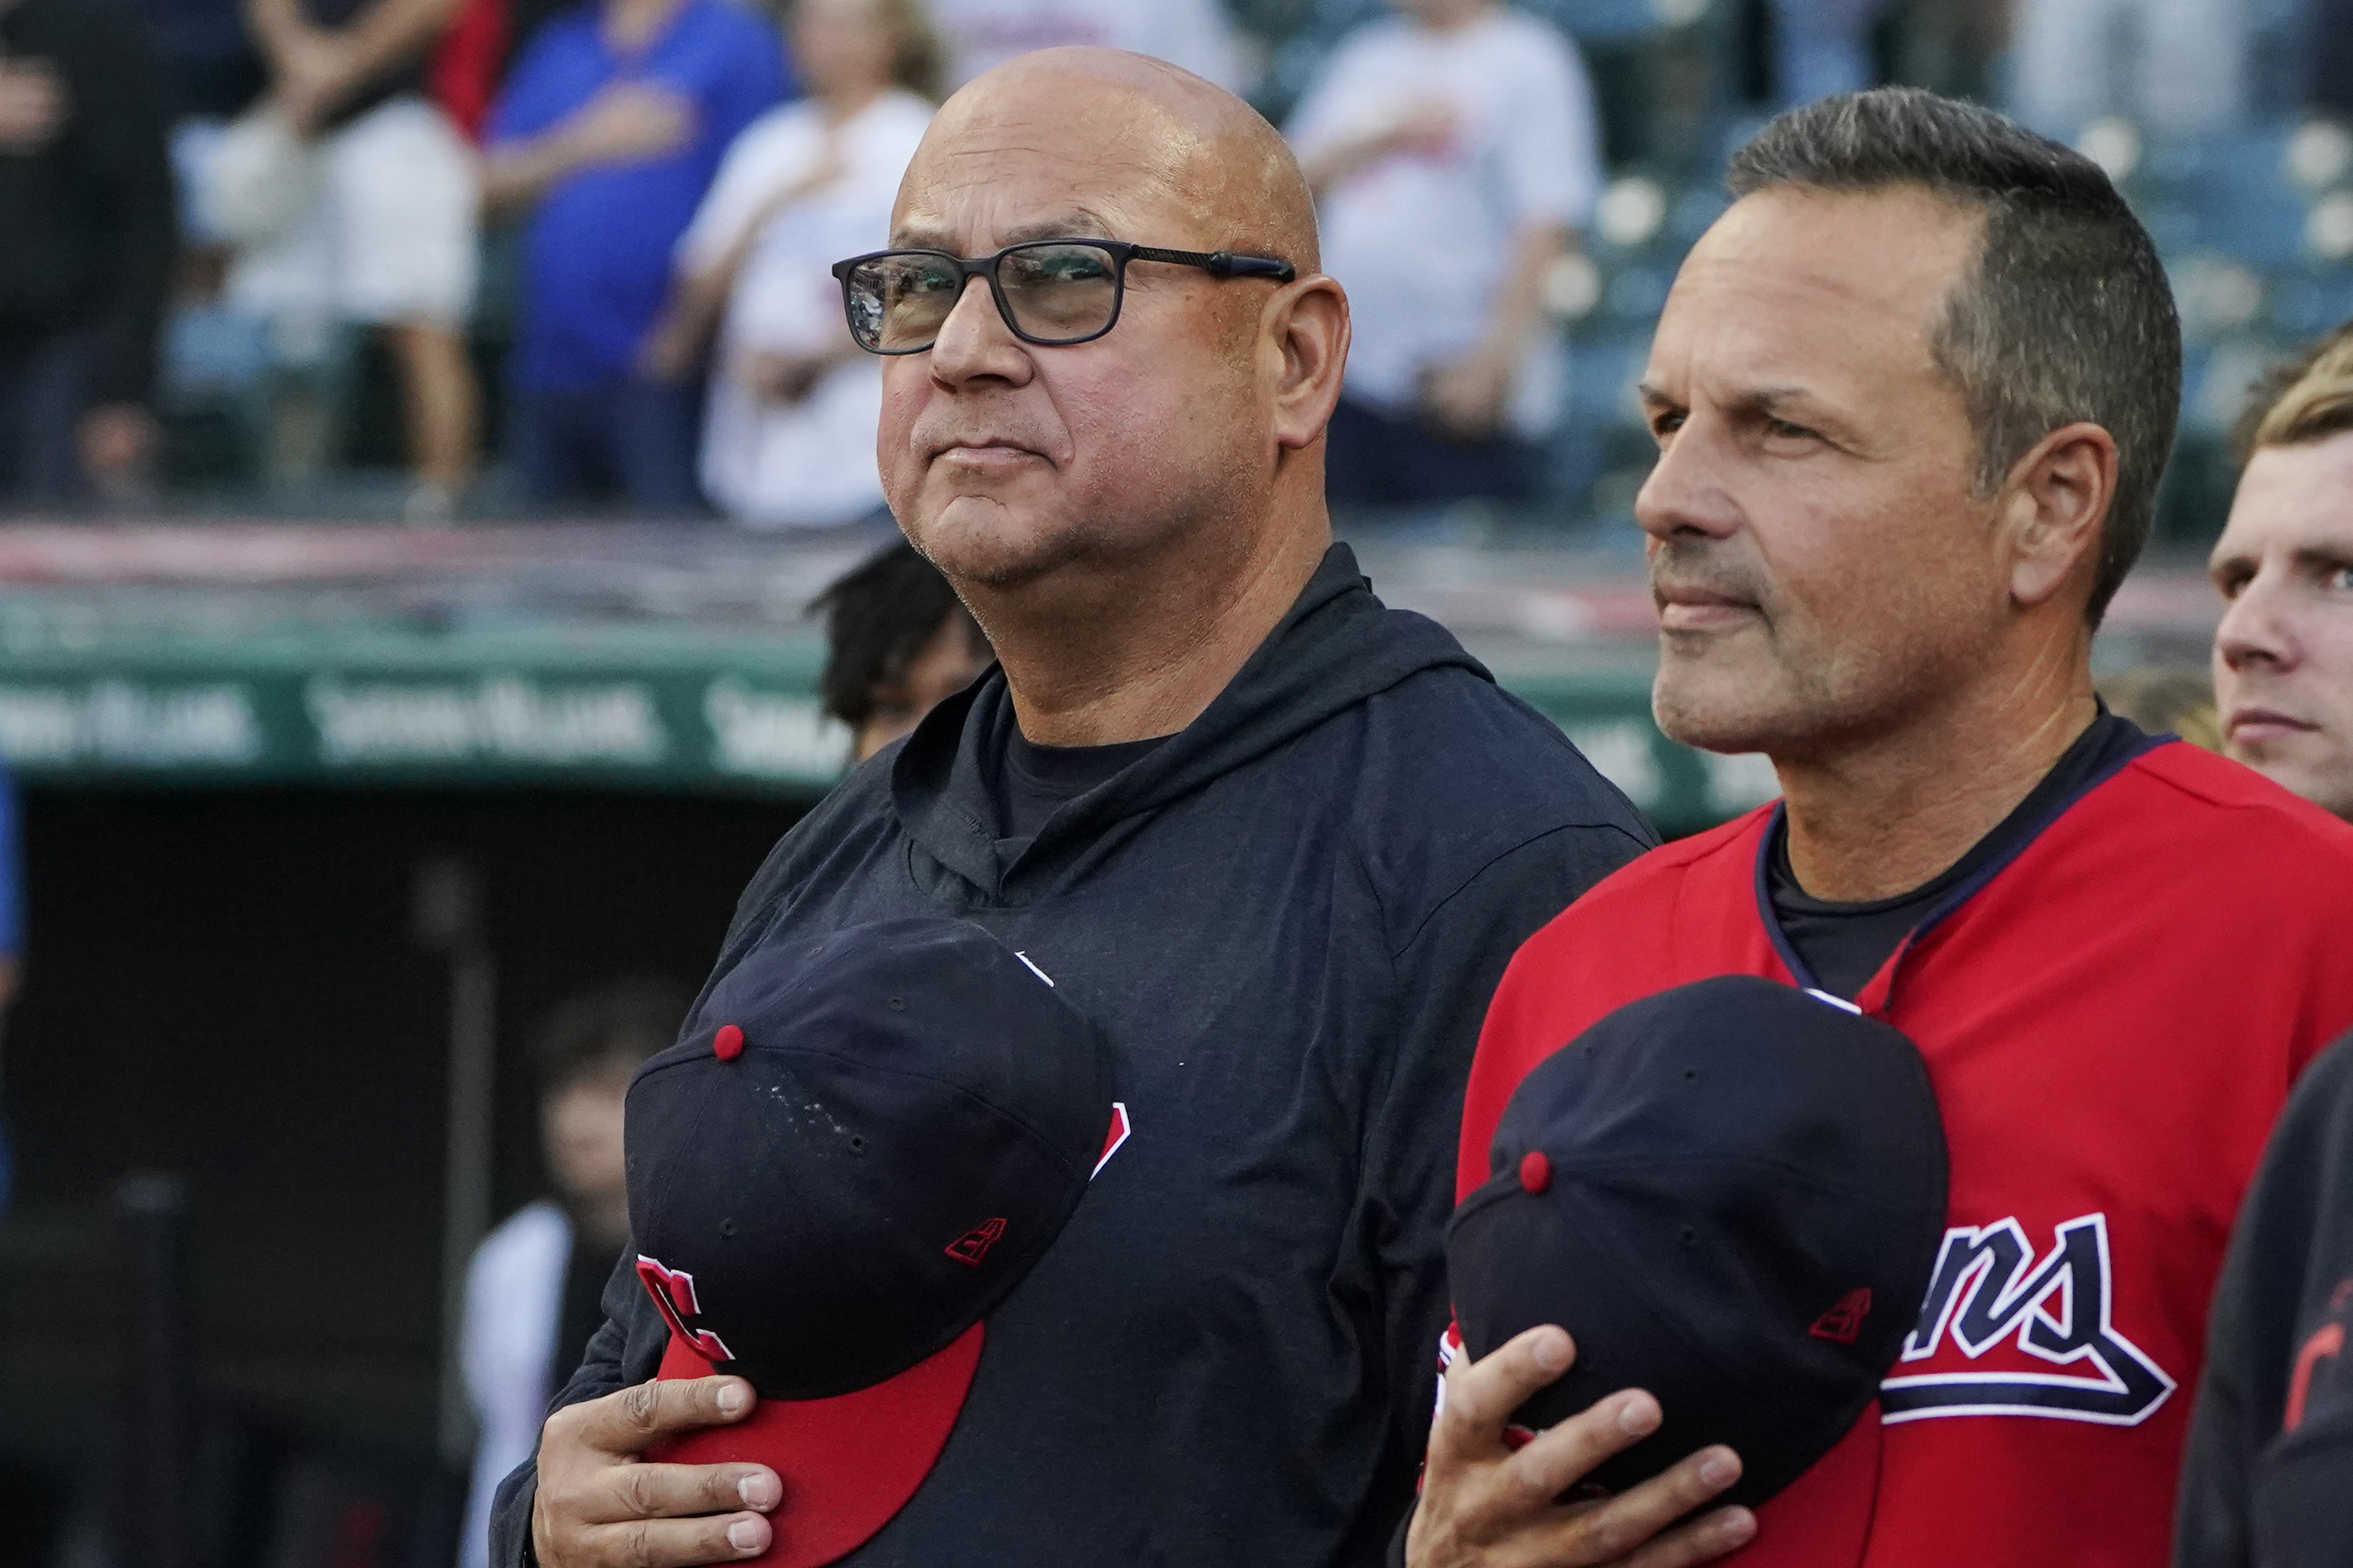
1077, 223
1756, 400
2311, 557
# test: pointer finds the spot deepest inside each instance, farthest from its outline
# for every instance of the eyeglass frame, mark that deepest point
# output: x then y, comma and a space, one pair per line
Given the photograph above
1219, 263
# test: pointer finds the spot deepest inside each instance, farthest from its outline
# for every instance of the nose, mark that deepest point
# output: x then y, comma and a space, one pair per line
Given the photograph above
2257, 628
975, 345
1685, 497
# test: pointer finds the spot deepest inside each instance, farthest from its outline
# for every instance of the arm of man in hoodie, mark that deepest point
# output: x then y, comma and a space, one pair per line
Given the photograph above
1444, 970
1446, 973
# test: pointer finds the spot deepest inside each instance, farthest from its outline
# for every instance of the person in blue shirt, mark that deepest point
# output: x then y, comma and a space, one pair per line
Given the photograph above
608, 131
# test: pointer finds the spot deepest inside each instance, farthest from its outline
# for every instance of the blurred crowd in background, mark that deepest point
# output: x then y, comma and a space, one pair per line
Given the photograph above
446, 259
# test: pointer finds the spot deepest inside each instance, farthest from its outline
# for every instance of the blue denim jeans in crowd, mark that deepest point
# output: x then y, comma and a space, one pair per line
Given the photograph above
44, 391
1374, 458
637, 439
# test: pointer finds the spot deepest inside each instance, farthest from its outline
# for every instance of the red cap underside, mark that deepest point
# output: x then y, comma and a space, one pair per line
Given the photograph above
848, 1462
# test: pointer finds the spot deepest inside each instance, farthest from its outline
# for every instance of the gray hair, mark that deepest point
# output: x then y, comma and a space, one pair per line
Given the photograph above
2065, 314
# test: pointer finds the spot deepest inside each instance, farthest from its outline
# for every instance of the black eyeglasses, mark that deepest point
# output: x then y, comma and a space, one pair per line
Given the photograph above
1052, 293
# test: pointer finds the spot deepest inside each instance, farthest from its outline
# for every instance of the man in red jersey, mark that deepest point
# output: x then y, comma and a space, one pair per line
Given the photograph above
1912, 395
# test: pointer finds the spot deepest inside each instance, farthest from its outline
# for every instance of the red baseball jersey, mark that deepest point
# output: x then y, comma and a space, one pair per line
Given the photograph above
2112, 1018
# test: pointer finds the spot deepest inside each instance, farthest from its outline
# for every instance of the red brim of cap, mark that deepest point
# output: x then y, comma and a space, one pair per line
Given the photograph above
1822, 1520
847, 1463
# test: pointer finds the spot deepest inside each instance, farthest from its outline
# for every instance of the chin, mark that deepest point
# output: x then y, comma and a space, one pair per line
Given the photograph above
2323, 774
1728, 727
995, 545
1700, 703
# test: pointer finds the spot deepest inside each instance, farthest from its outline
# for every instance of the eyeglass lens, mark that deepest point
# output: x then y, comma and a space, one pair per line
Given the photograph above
1056, 293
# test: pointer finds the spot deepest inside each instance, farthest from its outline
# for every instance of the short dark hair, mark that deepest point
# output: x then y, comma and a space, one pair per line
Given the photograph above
2065, 314
877, 619
606, 1029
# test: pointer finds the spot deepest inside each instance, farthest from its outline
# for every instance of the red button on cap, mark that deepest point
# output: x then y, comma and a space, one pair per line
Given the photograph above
1536, 1171
728, 1044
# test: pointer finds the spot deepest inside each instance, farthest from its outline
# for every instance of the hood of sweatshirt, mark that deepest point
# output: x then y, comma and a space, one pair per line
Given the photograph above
1337, 647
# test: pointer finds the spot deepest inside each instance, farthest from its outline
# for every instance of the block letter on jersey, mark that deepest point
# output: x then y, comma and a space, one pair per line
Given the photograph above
1988, 1289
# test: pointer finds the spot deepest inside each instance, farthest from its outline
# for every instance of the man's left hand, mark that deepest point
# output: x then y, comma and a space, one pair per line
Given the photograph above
1487, 1505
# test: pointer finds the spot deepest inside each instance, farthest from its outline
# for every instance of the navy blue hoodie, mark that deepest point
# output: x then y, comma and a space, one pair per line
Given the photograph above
1288, 918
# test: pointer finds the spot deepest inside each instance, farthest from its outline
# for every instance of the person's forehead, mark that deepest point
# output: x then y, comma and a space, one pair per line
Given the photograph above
1791, 287
2292, 499
1028, 169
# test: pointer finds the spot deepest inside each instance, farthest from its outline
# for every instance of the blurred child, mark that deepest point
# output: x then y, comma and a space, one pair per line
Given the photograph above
901, 643
533, 1289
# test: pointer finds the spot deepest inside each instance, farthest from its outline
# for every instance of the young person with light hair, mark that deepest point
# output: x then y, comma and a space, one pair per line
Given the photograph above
2284, 653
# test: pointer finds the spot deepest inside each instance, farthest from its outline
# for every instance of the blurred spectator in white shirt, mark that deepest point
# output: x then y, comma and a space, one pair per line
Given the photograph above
387, 235
534, 1285
789, 433
1194, 34
1452, 151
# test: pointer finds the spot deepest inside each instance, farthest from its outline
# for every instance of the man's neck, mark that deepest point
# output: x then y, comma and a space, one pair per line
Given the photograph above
1141, 654
1883, 817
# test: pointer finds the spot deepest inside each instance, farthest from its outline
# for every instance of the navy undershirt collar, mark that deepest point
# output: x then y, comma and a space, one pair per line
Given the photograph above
1840, 946
1030, 782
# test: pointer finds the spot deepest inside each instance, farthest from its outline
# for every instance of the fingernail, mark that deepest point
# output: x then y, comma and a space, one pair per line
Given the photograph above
1637, 1416
1737, 1528
1552, 1353
1720, 1471
731, 1399
744, 1535
757, 1490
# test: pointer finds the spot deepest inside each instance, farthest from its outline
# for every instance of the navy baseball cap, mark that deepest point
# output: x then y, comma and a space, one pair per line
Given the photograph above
862, 1145
1730, 1193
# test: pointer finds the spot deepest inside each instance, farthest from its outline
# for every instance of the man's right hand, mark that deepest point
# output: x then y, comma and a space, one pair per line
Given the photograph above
629, 123
600, 1505
1487, 1505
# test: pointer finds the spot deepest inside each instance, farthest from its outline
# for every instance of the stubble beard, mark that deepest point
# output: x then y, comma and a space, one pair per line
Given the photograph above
1769, 696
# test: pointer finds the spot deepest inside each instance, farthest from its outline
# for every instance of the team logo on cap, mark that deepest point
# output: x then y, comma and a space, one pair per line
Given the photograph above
1989, 1287
1843, 1324
973, 1245
673, 1293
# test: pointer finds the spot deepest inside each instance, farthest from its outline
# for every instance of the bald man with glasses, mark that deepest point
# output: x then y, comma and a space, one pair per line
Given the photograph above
1273, 837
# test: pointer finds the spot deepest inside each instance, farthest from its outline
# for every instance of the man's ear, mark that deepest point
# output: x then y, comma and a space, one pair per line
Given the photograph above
2056, 508
1303, 347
